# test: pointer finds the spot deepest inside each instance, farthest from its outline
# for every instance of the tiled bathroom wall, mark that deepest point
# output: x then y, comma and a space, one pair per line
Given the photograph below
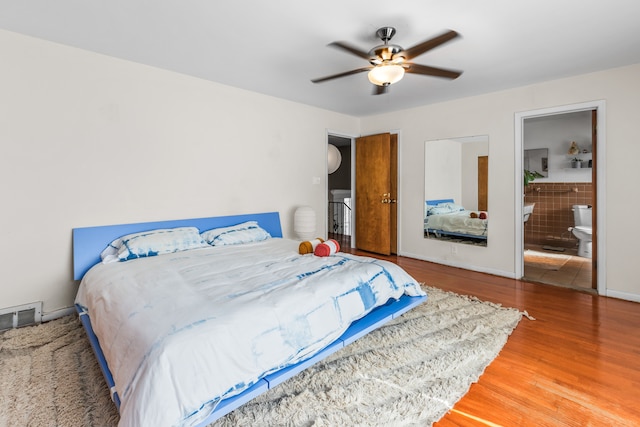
552, 214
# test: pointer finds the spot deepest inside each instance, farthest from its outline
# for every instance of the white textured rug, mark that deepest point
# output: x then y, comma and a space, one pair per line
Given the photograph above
409, 372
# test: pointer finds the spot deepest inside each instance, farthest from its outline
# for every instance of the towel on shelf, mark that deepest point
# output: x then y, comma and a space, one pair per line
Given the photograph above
309, 246
327, 248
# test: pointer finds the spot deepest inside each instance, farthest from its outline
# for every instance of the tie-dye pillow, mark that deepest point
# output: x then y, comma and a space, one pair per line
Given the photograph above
152, 243
443, 208
247, 232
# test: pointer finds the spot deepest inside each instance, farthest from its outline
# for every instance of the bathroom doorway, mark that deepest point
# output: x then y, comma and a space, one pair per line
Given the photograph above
550, 250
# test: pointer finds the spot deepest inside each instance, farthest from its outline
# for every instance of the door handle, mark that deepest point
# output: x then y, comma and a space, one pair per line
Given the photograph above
387, 198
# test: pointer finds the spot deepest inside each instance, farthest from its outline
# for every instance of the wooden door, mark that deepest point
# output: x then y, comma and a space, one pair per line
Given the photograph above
376, 183
393, 232
483, 183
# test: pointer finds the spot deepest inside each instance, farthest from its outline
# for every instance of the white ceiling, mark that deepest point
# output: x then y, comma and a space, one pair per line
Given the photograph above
276, 47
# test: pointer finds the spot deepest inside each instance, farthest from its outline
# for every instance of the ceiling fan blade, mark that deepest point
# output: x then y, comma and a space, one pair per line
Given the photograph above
380, 90
421, 48
351, 49
431, 71
346, 73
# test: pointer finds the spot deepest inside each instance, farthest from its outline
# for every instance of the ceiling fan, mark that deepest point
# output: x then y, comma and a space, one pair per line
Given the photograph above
389, 62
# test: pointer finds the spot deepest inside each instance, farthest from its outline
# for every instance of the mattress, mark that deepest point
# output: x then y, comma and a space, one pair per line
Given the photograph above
181, 331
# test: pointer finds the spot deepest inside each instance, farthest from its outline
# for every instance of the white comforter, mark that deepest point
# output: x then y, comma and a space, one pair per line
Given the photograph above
457, 222
180, 331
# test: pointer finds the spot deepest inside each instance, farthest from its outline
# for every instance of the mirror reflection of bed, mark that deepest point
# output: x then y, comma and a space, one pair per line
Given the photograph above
456, 190
446, 220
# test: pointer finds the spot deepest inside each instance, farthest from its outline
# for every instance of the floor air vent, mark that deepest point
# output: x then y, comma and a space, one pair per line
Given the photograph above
23, 315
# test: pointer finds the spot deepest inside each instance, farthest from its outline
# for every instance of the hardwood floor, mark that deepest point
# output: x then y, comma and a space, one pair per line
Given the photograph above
577, 364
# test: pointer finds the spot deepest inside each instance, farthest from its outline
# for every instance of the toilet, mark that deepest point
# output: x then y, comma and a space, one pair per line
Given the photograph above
582, 229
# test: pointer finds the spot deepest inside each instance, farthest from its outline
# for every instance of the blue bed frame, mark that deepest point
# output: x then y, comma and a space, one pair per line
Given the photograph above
88, 242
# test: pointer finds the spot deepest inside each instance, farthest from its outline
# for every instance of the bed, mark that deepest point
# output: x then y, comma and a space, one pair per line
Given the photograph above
445, 218
185, 336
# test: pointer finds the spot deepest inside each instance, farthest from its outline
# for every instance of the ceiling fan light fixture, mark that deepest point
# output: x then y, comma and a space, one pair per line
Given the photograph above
386, 74
389, 62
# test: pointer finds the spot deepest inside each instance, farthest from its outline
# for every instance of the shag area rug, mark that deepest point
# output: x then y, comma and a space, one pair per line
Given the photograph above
409, 372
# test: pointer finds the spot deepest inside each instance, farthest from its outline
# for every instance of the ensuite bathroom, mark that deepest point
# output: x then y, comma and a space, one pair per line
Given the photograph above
559, 196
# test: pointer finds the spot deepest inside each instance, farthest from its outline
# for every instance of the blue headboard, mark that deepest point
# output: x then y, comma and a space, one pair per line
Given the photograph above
89, 242
436, 202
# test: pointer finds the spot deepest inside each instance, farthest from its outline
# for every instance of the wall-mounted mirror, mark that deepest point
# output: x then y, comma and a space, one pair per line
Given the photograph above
537, 160
456, 172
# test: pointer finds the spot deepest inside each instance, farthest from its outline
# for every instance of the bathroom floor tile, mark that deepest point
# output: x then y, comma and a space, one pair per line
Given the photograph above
576, 272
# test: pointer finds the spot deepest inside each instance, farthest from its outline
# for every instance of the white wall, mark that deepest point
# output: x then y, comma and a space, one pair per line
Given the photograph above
443, 164
493, 114
556, 134
89, 140
92, 140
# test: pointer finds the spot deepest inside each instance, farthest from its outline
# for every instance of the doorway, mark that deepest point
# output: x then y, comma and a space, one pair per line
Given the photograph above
340, 191
547, 248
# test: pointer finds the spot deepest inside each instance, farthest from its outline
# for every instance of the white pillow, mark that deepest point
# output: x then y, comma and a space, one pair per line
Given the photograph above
246, 232
152, 243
